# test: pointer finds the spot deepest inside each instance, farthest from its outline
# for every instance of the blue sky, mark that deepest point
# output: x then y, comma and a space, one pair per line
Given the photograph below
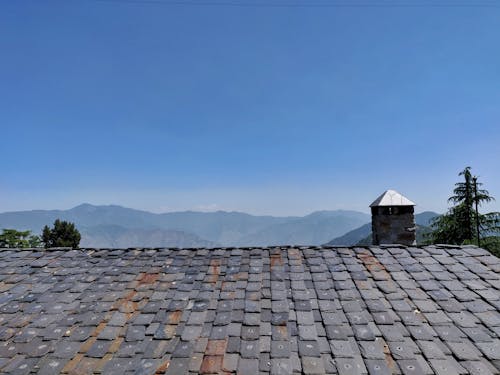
281, 110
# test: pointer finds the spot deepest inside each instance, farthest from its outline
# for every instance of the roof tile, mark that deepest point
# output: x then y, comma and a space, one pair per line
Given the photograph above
280, 309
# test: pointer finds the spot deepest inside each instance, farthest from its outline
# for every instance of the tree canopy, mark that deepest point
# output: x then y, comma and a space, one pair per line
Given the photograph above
63, 234
463, 223
12, 238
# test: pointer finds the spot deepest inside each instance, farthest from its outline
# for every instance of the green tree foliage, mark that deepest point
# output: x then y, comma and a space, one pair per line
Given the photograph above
463, 223
35, 241
12, 238
63, 234
491, 243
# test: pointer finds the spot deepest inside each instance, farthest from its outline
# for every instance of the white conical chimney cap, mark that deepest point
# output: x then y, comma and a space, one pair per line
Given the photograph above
392, 198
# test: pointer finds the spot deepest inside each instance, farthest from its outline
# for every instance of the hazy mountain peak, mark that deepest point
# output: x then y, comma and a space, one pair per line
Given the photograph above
84, 207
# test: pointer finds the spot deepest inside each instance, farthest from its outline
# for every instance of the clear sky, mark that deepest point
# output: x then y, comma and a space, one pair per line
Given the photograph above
268, 110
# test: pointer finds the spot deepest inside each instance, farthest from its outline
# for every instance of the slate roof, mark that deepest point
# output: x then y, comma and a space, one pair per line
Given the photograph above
282, 310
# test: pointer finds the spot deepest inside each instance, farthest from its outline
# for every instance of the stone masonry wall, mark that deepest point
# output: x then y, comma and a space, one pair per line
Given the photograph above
394, 229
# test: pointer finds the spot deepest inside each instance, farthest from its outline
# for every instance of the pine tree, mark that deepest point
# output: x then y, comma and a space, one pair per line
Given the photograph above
463, 223
63, 234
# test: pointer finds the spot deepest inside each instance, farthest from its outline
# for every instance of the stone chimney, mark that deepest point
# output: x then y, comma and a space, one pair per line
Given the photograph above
393, 221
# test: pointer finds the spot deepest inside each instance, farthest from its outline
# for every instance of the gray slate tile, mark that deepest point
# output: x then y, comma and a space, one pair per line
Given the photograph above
437, 308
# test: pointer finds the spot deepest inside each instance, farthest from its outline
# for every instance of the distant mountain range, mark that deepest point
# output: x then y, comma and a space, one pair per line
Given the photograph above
114, 236
116, 226
362, 235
